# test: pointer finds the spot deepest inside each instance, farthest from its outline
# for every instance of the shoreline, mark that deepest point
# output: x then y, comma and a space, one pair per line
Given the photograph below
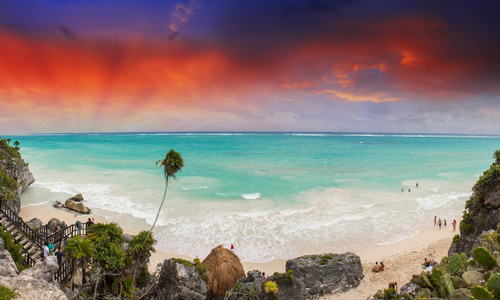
402, 258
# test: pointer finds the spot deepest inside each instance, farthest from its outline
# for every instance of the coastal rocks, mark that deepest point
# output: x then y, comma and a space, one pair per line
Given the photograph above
30, 288
56, 223
35, 223
316, 275
77, 198
44, 270
32, 284
7, 265
17, 169
178, 281
77, 206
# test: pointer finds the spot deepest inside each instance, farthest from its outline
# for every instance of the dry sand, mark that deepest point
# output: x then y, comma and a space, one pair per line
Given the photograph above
401, 259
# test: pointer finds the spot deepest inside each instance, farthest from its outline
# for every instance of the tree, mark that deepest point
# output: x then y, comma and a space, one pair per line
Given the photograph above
8, 141
140, 248
16, 144
172, 163
78, 249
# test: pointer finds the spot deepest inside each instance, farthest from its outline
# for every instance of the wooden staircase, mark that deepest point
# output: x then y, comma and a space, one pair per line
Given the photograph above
32, 240
31, 251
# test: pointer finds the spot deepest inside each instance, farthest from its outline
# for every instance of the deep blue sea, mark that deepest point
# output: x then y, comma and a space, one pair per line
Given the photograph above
272, 195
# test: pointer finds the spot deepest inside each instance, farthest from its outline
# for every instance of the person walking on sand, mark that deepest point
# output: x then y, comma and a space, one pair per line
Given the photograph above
444, 223
435, 221
454, 225
440, 223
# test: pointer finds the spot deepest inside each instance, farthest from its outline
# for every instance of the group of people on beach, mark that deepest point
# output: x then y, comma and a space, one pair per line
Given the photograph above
402, 190
443, 223
378, 267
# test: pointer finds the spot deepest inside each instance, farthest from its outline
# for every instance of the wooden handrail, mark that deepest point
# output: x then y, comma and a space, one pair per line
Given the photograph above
44, 235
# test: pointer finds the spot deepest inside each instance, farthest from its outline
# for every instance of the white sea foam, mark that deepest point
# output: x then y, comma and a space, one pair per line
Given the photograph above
194, 188
250, 196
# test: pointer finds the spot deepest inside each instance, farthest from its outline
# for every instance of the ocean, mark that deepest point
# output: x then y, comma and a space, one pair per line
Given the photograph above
271, 195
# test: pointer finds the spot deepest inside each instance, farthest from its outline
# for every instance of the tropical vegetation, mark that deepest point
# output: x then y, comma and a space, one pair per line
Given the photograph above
14, 249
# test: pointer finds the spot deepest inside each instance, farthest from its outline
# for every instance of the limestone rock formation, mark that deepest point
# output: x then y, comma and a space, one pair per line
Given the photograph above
35, 283
325, 274
77, 206
44, 270
17, 169
77, 198
7, 265
179, 282
313, 276
482, 210
35, 223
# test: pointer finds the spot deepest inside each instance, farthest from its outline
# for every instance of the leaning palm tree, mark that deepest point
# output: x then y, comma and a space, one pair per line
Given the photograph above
172, 163
78, 249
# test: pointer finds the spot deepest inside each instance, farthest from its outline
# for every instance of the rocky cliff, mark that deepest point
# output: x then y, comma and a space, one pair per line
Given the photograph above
32, 284
13, 170
482, 210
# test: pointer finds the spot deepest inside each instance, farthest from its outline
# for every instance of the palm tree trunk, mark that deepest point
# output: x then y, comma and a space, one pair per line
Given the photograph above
84, 272
72, 274
158, 213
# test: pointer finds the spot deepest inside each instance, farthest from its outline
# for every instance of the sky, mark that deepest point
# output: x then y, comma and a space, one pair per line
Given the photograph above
426, 66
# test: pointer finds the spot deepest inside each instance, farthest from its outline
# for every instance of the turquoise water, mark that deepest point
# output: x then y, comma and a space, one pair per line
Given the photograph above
273, 195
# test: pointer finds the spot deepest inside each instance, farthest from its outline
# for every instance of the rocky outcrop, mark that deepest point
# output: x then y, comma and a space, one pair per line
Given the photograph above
35, 223
77, 206
35, 283
17, 169
318, 275
7, 265
180, 282
482, 210
306, 277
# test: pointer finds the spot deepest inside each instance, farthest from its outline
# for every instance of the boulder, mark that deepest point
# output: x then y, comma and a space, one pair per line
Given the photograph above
30, 288
55, 221
324, 274
35, 223
411, 289
7, 265
249, 284
127, 237
35, 283
77, 198
180, 282
77, 206
45, 269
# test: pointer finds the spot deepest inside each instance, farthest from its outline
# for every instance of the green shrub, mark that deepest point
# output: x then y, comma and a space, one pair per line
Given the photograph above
283, 278
456, 238
314, 256
15, 250
7, 294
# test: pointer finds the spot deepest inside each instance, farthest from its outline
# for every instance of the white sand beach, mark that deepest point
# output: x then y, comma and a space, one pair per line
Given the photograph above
401, 259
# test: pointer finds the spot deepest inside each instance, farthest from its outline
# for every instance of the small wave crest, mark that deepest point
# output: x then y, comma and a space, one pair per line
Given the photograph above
194, 188
250, 196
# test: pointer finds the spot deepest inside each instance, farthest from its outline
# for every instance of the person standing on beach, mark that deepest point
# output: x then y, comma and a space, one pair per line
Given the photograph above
444, 223
440, 223
434, 221
417, 184
454, 225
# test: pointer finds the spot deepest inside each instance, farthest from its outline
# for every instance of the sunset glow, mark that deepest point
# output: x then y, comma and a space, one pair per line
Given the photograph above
196, 65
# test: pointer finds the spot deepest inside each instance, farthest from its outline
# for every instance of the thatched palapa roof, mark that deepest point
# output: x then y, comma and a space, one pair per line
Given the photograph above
225, 269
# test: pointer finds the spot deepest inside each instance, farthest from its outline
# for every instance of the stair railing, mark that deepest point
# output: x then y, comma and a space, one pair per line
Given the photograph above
21, 225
